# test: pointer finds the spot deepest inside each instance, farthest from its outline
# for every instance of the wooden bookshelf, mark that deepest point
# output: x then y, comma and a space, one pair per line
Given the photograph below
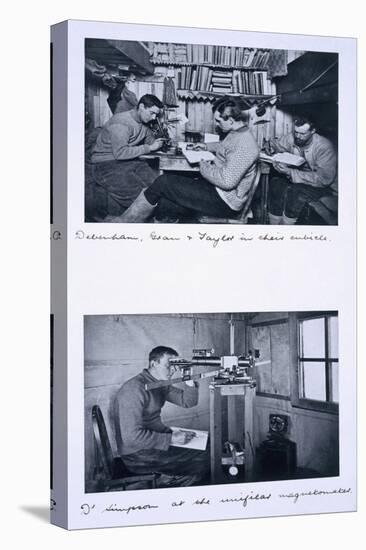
216, 70
211, 96
212, 65
205, 79
238, 57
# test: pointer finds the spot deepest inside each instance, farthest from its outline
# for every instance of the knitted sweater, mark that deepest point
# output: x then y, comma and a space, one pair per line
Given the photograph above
123, 137
234, 168
138, 413
320, 168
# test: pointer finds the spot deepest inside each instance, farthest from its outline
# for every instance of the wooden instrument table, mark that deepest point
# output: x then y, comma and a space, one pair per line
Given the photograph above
239, 426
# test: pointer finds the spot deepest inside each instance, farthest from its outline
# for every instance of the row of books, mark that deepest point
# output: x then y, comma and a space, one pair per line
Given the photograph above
231, 56
251, 82
202, 78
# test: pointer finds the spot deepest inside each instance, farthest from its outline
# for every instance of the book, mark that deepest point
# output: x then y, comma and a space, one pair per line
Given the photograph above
285, 158
260, 318
194, 157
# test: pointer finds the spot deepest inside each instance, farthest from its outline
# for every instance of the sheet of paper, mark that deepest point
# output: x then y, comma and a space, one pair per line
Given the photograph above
211, 138
199, 442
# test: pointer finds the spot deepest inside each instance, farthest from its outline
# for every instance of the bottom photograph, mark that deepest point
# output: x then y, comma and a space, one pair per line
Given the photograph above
177, 400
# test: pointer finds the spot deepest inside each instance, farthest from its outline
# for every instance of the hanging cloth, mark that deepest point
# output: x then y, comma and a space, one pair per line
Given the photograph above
169, 95
127, 102
114, 96
277, 63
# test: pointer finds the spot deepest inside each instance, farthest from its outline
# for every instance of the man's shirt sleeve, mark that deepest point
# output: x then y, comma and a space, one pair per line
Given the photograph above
187, 397
238, 160
120, 135
324, 171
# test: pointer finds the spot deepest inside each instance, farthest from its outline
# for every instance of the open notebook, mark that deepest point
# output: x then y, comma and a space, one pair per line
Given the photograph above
194, 157
199, 442
286, 158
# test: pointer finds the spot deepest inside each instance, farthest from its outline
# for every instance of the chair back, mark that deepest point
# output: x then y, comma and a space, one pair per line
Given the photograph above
102, 441
244, 212
246, 208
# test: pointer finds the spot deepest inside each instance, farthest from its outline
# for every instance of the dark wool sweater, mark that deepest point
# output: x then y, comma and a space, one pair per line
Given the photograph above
123, 137
138, 413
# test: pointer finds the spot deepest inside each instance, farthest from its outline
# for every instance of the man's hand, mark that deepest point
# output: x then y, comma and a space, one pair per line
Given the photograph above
175, 372
182, 437
268, 149
157, 144
200, 147
204, 164
282, 168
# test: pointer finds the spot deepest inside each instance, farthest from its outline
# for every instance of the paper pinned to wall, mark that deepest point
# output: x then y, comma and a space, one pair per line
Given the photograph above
211, 138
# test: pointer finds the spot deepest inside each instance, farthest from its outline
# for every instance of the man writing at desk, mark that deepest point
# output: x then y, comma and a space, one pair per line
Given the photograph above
115, 157
223, 186
291, 188
144, 442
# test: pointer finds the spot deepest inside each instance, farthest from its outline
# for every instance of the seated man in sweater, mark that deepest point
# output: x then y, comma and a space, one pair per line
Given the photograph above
144, 441
115, 157
292, 188
223, 186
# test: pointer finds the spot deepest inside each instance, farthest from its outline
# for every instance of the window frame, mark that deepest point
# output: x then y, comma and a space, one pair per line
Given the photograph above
296, 383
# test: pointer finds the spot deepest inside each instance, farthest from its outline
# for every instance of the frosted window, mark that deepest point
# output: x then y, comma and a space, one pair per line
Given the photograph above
333, 337
313, 338
335, 390
314, 381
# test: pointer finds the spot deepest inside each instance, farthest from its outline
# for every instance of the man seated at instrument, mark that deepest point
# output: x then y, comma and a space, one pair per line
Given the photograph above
292, 188
145, 443
115, 157
223, 186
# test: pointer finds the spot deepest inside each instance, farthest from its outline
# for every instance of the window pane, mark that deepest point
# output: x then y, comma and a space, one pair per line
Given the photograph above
313, 377
335, 372
313, 338
333, 337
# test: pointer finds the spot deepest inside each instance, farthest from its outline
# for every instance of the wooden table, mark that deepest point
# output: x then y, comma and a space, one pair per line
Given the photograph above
239, 428
169, 162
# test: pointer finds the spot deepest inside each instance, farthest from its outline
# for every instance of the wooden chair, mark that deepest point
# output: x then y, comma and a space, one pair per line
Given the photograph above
111, 472
244, 213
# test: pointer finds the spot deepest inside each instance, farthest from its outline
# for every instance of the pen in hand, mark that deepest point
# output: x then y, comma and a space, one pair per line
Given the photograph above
182, 437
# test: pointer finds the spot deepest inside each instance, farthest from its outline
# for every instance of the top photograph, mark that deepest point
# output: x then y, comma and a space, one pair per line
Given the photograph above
210, 134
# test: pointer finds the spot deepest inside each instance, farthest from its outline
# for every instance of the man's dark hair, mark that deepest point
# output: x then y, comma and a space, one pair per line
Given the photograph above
233, 107
301, 120
149, 100
159, 352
